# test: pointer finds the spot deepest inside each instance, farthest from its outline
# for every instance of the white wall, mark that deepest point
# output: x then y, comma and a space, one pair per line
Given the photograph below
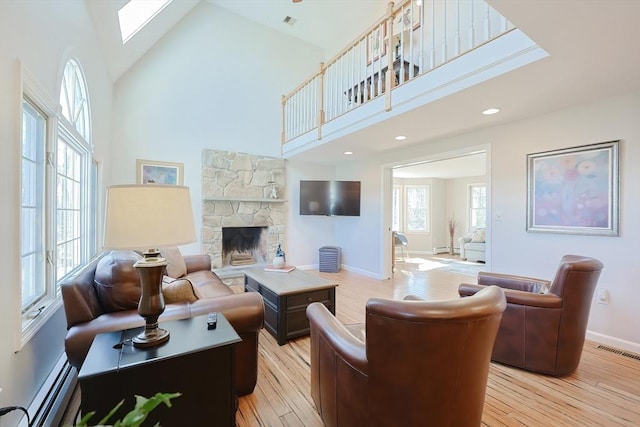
512, 249
306, 234
214, 81
43, 35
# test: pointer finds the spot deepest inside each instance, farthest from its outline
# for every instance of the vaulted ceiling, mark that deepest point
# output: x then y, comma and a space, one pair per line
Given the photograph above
594, 49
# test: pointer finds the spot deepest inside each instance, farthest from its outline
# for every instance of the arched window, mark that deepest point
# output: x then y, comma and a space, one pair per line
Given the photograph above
73, 100
59, 183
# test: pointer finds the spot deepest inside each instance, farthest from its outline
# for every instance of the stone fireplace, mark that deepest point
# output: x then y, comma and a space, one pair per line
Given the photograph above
244, 246
238, 204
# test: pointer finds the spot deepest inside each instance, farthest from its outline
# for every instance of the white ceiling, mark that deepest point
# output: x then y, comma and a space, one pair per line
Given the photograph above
456, 167
594, 48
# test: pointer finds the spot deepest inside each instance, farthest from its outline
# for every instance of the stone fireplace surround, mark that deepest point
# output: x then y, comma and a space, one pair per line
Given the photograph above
237, 192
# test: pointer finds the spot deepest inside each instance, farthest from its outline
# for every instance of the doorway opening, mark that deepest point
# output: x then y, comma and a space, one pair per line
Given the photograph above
436, 205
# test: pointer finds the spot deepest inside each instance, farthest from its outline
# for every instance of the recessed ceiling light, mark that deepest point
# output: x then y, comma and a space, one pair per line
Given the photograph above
348, 153
400, 138
490, 111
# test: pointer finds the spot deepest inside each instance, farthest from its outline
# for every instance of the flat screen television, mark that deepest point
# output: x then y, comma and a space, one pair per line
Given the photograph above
330, 198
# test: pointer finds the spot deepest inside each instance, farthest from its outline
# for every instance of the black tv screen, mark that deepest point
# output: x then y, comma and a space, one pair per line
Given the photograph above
330, 198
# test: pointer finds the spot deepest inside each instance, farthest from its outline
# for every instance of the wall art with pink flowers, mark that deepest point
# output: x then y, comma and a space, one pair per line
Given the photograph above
574, 190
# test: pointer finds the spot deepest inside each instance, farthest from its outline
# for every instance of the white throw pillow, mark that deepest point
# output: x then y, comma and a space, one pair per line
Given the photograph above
176, 266
478, 236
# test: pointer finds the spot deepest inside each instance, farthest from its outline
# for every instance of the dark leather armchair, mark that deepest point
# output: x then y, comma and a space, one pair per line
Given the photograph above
544, 325
422, 362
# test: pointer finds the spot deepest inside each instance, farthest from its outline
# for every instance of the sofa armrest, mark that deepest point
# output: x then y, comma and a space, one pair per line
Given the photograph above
346, 346
79, 295
516, 297
197, 262
520, 283
464, 239
245, 311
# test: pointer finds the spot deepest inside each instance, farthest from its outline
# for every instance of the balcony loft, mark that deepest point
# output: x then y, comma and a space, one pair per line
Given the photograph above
437, 48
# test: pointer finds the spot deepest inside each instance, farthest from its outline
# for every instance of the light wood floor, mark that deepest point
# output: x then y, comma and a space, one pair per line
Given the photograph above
604, 391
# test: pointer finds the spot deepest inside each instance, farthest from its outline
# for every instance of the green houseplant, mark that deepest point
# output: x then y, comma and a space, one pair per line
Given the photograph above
136, 416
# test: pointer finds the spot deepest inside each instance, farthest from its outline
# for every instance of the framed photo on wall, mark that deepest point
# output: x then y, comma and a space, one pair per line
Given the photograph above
376, 43
156, 172
574, 190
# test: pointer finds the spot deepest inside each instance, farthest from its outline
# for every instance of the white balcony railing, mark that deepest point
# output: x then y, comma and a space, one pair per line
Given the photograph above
424, 35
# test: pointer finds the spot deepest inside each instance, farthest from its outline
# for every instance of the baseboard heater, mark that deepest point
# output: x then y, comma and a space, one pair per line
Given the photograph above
49, 405
444, 250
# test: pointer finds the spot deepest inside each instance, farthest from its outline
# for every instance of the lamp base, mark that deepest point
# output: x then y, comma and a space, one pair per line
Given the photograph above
151, 305
151, 338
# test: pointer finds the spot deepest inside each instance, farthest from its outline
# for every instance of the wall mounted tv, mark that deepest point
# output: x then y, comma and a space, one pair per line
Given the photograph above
330, 198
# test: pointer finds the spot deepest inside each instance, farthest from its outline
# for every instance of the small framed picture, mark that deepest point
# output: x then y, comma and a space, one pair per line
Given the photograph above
156, 172
574, 190
376, 43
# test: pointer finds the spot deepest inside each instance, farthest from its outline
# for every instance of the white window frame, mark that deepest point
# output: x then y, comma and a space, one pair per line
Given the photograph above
397, 209
427, 220
471, 208
60, 130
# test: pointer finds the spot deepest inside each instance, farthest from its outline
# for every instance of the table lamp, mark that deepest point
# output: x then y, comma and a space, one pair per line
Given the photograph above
147, 217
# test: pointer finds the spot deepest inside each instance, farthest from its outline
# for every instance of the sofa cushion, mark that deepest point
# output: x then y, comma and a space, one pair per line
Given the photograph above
206, 284
176, 267
117, 282
177, 290
479, 236
474, 247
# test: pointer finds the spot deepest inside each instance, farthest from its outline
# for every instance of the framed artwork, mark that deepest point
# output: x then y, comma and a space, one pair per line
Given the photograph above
376, 43
408, 19
574, 190
156, 172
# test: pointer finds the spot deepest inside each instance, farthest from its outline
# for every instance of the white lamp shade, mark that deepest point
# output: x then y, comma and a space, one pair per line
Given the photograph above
148, 216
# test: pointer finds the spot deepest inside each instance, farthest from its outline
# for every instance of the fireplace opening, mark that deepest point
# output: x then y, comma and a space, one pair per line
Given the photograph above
244, 246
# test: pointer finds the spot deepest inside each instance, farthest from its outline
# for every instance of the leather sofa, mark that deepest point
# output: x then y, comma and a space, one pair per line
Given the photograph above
102, 298
415, 363
544, 326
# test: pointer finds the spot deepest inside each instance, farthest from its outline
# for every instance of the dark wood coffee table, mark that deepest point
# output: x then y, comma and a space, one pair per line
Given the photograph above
286, 297
197, 362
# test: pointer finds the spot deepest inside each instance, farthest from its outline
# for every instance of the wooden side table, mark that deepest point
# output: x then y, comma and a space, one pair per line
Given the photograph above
196, 361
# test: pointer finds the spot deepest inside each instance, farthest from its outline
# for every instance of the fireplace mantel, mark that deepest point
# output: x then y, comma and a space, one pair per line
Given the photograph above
242, 199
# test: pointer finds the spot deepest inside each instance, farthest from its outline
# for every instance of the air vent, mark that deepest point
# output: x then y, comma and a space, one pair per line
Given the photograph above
620, 352
289, 20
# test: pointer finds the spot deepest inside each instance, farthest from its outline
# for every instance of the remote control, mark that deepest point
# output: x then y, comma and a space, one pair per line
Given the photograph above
212, 321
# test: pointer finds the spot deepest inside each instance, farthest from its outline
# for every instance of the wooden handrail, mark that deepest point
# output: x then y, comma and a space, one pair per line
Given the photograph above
347, 81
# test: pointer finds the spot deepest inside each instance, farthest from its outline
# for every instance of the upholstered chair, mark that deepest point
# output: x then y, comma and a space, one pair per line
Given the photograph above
544, 325
414, 363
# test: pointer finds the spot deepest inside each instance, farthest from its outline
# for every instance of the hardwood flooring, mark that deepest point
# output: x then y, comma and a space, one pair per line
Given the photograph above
604, 391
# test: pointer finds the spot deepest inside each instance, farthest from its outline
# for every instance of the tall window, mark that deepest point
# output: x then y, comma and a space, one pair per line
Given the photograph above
58, 193
477, 206
417, 208
34, 131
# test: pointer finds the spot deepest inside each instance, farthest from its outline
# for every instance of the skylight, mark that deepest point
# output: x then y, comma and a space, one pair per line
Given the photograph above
136, 14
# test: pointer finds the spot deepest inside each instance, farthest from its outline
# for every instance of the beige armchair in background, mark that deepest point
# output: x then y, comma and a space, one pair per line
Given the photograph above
472, 248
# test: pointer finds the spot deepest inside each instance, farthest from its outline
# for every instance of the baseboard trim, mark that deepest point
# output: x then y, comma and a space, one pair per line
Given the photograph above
621, 344
49, 405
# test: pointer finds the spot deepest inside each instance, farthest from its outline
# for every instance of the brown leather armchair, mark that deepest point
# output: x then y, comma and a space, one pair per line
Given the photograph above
422, 362
544, 325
